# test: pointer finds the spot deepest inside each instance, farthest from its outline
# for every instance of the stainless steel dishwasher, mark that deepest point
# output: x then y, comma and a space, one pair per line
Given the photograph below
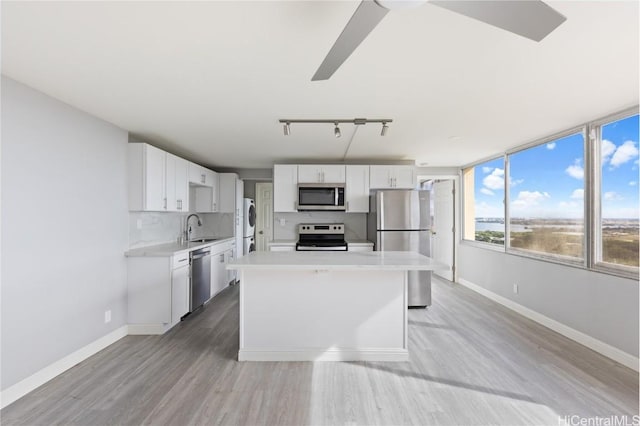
200, 261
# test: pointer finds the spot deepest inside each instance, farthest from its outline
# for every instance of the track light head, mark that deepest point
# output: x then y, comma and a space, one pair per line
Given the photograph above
287, 129
384, 129
336, 131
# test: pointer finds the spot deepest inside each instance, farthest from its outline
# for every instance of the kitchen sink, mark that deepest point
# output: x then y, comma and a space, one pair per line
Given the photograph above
203, 240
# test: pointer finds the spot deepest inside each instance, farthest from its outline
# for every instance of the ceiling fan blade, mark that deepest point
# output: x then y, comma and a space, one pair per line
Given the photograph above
366, 17
532, 19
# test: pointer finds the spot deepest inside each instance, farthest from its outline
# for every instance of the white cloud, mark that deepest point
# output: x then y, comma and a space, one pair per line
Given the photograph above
486, 170
625, 152
578, 194
529, 198
633, 183
495, 180
575, 170
551, 145
606, 150
486, 191
612, 196
514, 182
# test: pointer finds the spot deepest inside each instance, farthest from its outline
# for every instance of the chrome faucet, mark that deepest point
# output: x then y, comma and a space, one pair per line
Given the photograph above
187, 228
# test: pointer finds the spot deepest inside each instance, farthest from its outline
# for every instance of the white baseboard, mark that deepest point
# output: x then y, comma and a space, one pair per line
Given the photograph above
399, 355
599, 346
41, 377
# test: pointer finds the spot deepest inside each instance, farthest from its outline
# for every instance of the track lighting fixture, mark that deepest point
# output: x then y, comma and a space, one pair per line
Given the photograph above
336, 131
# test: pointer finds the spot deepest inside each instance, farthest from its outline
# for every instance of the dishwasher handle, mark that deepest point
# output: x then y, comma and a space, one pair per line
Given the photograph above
199, 254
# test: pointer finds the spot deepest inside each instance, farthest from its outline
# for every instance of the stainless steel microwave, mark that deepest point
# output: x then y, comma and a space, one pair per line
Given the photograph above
321, 196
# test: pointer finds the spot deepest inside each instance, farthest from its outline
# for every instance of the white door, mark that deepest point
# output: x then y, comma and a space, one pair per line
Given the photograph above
443, 226
264, 215
179, 293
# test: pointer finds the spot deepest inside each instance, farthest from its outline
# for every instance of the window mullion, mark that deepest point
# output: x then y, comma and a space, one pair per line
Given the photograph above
507, 218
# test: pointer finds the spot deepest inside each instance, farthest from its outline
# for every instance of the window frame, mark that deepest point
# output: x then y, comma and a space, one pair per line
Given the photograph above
595, 195
556, 258
592, 242
495, 247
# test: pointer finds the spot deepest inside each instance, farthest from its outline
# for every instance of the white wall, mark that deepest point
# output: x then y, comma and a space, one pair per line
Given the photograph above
64, 230
600, 305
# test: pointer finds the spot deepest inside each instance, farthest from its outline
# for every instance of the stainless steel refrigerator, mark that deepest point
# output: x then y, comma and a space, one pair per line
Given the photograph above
400, 220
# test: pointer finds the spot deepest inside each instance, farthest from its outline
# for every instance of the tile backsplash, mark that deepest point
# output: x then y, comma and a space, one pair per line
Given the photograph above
355, 223
150, 228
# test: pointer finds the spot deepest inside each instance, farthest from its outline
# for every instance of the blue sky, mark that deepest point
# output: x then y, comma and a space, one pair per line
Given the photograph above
547, 181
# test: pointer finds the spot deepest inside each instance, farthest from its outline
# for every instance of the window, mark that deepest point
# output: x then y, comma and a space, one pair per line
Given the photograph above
618, 232
484, 202
570, 200
546, 197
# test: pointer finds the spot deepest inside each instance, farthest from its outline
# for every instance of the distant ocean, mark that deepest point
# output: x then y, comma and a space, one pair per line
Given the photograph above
494, 226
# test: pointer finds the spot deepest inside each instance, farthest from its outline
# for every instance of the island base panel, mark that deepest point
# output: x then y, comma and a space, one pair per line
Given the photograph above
323, 315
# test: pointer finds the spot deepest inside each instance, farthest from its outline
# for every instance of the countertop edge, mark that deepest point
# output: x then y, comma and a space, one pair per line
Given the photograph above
165, 250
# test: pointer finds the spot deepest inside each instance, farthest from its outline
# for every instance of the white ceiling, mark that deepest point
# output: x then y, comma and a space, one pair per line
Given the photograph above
209, 80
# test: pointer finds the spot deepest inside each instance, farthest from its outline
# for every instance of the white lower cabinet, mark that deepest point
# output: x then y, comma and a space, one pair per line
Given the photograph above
179, 293
158, 287
158, 292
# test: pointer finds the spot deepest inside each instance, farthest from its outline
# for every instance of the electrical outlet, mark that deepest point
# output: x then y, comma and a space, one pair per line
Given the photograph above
515, 288
107, 316
283, 221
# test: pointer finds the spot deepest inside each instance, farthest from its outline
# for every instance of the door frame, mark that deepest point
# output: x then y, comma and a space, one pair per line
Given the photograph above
457, 221
272, 213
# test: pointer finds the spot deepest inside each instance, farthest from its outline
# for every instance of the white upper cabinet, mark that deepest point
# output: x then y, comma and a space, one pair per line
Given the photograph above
177, 183
146, 167
182, 184
208, 197
158, 181
285, 187
357, 189
227, 186
385, 177
321, 173
199, 175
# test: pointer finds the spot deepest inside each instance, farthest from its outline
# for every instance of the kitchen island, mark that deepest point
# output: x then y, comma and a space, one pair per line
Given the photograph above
325, 306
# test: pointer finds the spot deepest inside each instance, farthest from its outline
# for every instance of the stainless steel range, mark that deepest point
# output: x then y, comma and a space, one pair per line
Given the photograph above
321, 237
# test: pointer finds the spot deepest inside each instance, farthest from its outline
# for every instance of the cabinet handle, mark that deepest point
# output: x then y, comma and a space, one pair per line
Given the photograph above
222, 258
165, 203
203, 178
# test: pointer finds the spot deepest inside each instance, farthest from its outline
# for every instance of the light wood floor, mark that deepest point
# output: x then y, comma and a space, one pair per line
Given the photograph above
472, 362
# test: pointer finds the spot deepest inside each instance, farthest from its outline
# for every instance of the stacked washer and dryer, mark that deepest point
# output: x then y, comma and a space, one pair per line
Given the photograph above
249, 226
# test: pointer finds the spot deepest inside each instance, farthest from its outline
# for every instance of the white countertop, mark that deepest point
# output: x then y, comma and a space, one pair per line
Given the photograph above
373, 260
171, 249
